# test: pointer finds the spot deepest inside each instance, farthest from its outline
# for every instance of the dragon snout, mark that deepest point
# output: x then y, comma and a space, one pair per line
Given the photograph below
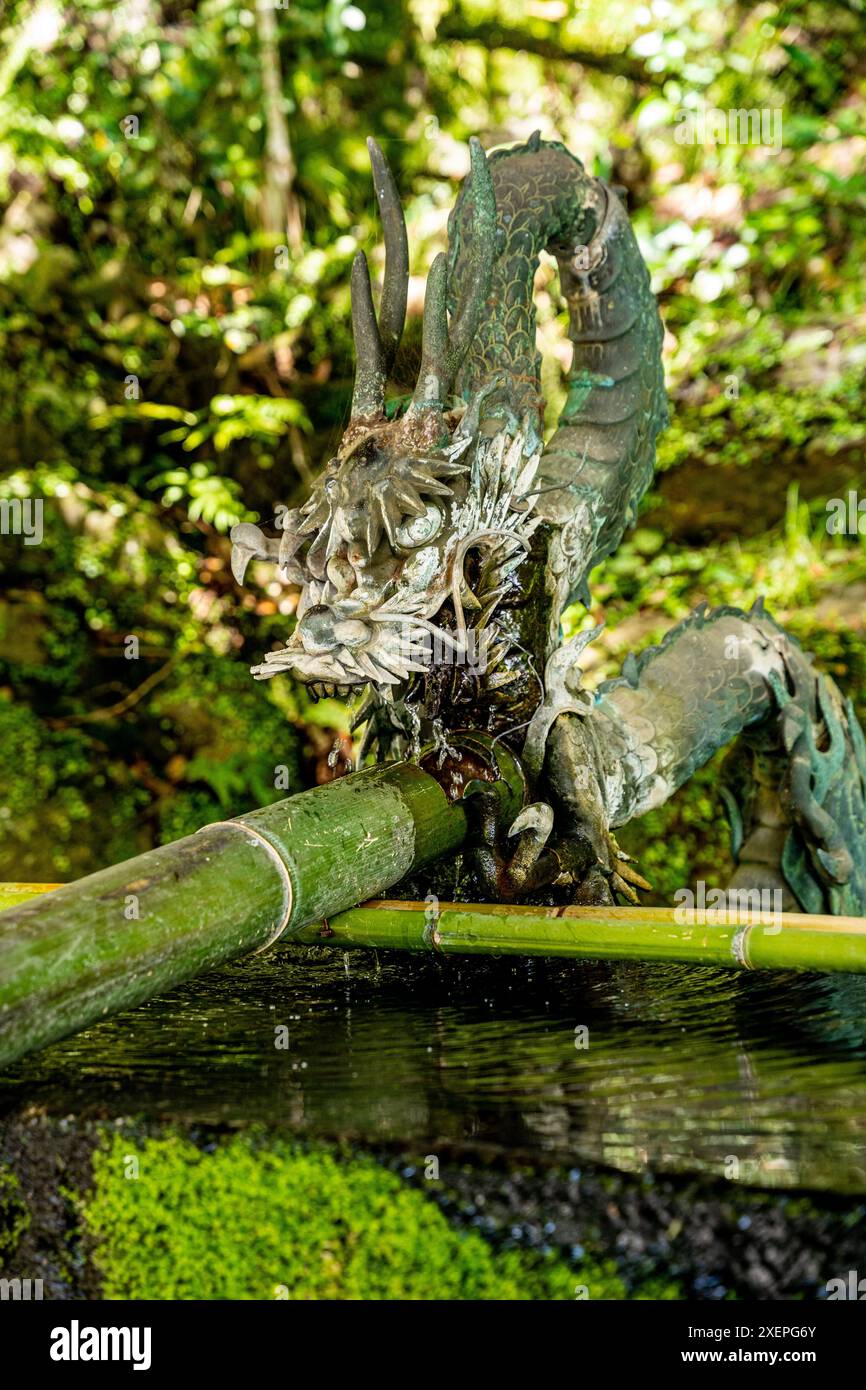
336, 648
322, 630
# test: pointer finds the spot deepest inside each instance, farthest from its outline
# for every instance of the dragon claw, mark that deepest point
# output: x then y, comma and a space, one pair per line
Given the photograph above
531, 865
536, 819
625, 890
630, 875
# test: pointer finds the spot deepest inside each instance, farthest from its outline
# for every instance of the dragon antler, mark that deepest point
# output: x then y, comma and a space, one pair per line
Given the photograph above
377, 341
443, 349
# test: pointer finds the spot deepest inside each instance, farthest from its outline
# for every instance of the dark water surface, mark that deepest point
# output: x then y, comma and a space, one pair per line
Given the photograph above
755, 1077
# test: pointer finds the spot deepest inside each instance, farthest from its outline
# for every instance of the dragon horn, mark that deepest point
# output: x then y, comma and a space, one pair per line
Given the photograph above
444, 349
434, 340
376, 343
392, 310
368, 397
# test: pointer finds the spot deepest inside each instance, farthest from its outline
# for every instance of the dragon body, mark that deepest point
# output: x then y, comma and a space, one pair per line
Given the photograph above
440, 546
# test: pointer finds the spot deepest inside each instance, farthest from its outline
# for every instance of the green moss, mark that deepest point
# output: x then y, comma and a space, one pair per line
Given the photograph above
299, 1222
659, 1290
14, 1215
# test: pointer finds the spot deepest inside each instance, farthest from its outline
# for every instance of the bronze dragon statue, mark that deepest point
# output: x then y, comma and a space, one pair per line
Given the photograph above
442, 542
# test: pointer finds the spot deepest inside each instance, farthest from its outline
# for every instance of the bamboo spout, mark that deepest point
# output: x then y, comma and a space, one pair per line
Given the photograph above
119, 937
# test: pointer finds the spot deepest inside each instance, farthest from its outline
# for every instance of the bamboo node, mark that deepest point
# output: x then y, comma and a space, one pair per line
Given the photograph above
740, 946
288, 890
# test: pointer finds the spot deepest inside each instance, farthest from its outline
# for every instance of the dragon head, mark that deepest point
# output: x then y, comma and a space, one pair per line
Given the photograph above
380, 545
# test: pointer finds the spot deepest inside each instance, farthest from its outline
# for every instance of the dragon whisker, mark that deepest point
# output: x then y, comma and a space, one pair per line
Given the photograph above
412, 620
372, 670
457, 578
394, 664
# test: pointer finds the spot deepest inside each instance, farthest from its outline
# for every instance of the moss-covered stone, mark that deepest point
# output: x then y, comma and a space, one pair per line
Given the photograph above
243, 1220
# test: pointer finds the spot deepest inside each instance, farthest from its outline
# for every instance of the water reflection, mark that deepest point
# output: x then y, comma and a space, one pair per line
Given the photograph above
760, 1078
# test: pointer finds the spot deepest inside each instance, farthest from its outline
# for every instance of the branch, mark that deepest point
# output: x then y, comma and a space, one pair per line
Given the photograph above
492, 36
128, 702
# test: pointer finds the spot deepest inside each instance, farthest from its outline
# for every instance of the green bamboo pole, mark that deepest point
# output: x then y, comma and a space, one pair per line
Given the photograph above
754, 941
743, 940
119, 937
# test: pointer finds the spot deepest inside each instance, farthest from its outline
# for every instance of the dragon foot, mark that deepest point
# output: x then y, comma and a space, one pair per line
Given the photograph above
543, 849
600, 878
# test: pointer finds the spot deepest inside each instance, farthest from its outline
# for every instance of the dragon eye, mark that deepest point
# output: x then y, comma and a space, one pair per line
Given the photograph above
420, 530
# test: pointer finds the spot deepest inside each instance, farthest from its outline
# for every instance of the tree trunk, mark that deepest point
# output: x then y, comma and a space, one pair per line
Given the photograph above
281, 212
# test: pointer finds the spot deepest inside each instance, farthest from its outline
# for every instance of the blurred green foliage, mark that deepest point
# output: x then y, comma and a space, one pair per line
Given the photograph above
182, 190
